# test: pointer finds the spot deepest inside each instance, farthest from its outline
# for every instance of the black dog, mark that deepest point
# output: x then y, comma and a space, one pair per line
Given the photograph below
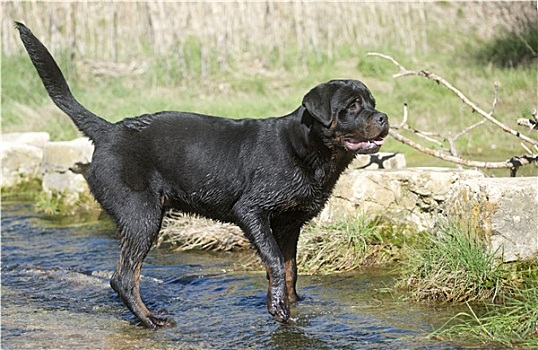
267, 176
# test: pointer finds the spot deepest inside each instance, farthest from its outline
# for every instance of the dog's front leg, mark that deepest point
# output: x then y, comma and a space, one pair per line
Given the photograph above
257, 229
286, 233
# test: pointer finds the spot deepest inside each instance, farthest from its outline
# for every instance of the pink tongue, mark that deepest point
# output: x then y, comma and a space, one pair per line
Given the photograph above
354, 146
379, 142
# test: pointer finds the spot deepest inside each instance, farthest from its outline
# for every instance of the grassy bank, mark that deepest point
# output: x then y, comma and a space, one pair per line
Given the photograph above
454, 267
513, 323
451, 267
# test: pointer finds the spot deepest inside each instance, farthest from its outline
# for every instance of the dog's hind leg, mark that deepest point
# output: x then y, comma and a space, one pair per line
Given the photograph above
138, 232
290, 262
286, 233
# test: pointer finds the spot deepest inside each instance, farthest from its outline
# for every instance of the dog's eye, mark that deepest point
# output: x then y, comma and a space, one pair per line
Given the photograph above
355, 105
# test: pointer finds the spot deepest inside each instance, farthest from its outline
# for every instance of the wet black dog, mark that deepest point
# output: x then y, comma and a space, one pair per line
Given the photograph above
268, 176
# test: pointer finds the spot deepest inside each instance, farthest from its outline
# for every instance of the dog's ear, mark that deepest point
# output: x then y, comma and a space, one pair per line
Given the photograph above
318, 103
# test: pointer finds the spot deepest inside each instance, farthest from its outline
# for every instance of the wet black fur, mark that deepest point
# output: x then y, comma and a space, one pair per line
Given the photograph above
268, 176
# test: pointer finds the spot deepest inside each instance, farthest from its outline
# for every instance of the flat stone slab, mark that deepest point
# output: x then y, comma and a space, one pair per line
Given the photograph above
62, 156
36, 139
20, 162
503, 210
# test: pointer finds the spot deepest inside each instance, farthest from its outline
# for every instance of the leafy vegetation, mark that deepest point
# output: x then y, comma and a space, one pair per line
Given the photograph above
452, 266
513, 323
512, 49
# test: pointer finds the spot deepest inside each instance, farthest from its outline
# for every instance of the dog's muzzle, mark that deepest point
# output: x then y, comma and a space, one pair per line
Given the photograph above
371, 144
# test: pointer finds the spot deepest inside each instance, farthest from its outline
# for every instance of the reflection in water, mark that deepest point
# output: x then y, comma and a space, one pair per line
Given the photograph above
56, 294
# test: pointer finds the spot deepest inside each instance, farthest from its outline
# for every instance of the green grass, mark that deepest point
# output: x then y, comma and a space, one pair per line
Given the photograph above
512, 49
344, 246
453, 267
24, 190
514, 323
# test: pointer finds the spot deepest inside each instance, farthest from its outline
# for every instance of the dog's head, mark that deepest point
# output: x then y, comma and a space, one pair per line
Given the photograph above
348, 119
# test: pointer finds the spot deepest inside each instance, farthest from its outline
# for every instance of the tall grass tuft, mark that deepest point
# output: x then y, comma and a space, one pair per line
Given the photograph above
453, 266
344, 246
514, 323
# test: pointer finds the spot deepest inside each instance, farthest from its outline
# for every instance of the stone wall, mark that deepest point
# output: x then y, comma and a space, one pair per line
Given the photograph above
413, 196
501, 210
63, 168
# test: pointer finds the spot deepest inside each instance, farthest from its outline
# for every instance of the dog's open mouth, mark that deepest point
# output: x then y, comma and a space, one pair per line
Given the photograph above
371, 146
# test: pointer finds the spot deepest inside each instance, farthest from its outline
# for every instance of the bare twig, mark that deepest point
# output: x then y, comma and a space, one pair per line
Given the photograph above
495, 97
404, 118
477, 124
425, 135
511, 163
526, 148
387, 57
530, 123
469, 128
432, 76
428, 136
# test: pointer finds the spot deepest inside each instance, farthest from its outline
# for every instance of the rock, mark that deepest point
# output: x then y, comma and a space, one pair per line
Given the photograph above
68, 183
20, 162
21, 156
36, 139
502, 210
64, 164
62, 156
410, 196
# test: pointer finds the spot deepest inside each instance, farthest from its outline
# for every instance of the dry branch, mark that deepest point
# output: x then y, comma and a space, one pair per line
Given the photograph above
514, 163
432, 76
530, 123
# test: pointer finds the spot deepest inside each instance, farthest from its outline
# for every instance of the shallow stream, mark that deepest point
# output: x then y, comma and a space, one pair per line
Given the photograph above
56, 294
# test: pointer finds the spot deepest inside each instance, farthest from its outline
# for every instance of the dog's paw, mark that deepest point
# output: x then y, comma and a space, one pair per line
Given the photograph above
279, 309
155, 322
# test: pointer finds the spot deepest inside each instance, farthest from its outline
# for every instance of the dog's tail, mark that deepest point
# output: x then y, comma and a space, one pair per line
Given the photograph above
91, 125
